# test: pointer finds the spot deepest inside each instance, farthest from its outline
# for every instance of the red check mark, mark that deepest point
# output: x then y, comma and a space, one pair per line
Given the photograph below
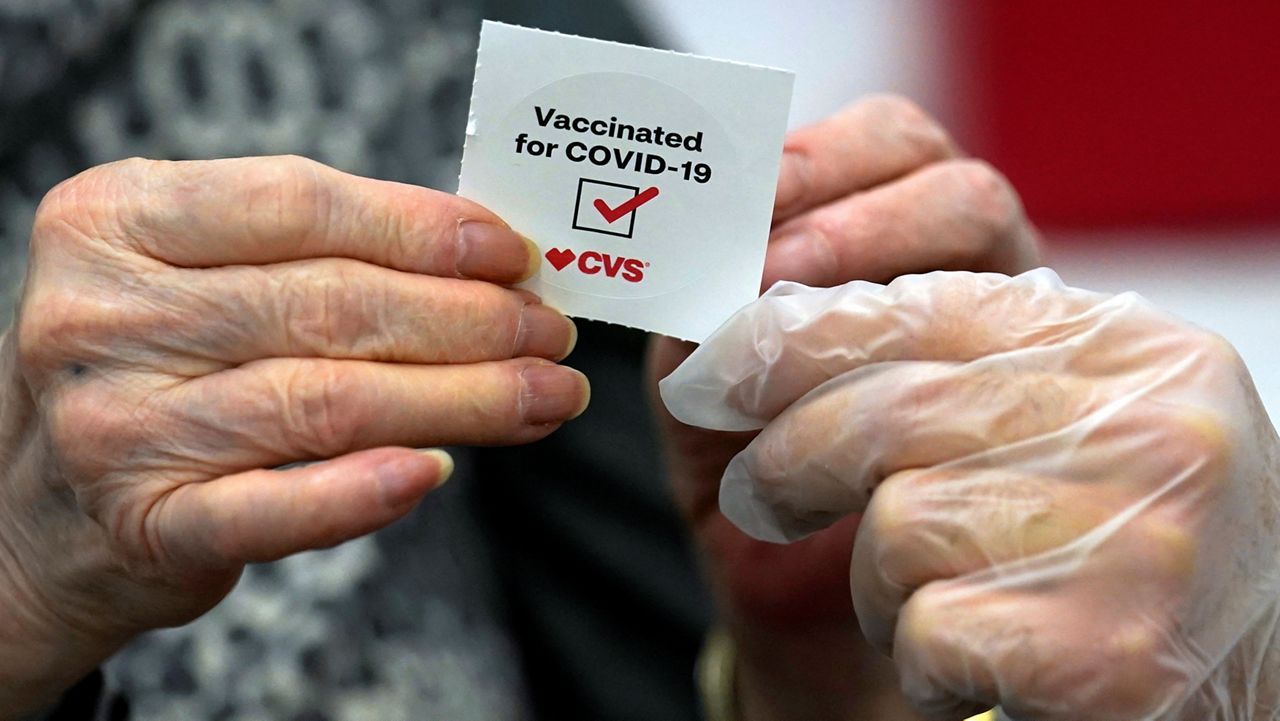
612, 214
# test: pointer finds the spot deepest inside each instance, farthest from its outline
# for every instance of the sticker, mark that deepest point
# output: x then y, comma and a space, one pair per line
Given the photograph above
646, 177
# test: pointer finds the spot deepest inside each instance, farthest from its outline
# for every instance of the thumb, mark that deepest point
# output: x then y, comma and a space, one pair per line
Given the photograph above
264, 515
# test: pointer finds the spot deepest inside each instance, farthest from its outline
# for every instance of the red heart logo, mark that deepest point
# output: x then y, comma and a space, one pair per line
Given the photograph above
560, 258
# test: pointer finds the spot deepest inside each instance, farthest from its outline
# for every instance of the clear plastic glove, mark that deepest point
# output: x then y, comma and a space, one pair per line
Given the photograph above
1072, 500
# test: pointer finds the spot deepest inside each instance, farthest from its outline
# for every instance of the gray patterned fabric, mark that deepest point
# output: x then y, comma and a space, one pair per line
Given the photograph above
570, 545
376, 87
401, 625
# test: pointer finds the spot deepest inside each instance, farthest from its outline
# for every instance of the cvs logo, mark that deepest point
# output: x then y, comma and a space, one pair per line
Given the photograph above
592, 263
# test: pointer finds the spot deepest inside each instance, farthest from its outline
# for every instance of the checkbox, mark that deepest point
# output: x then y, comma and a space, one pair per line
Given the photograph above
586, 216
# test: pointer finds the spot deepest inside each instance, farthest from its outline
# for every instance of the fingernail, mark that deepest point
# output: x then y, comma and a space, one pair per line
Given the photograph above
402, 484
545, 333
552, 394
493, 252
535, 259
802, 256
444, 459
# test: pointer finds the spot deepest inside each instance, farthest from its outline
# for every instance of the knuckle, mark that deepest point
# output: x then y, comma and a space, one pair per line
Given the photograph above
57, 207
287, 195
987, 196
1197, 439
1112, 669
770, 464
769, 477
1168, 550
771, 490
94, 215
84, 205
1141, 683
318, 415
133, 167
37, 333
321, 311
486, 322
918, 624
54, 326
889, 523
837, 224
897, 539
915, 125
1217, 352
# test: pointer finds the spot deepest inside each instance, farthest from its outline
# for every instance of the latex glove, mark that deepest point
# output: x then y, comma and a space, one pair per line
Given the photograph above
879, 174
1071, 499
186, 328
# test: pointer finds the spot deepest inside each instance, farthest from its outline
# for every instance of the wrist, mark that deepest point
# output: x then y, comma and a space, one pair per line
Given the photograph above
42, 652
43, 649
824, 673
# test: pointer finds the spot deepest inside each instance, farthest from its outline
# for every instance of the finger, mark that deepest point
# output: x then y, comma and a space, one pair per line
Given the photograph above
1017, 504
941, 523
338, 308
278, 411
253, 211
265, 515
822, 458
794, 338
1082, 652
864, 145
925, 526
957, 215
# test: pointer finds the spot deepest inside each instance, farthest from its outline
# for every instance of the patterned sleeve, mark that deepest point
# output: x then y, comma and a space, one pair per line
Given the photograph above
40, 40
88, 700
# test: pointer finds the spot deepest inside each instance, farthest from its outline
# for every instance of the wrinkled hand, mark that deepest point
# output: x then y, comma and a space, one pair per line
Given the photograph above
186, 326
876, 191
1072, 500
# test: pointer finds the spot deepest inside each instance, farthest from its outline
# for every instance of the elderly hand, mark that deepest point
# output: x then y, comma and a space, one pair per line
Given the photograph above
876, 191
187, 326
1072, 500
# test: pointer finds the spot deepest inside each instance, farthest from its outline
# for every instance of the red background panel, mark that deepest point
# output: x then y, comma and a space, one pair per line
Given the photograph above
1107, 113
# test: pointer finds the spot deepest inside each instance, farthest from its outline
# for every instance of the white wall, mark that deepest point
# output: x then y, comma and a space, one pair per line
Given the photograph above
840, 49
1229, 283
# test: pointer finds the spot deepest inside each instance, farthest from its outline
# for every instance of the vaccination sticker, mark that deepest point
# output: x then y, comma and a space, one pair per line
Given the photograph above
646, 177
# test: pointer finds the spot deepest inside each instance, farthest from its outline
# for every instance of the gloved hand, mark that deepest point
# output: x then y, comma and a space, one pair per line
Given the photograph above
878, 174
1072, 500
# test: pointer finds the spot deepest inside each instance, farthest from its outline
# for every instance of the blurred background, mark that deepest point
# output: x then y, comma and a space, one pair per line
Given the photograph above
1144, 138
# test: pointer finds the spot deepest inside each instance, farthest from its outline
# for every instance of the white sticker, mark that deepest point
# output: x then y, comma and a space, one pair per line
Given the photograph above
646, 177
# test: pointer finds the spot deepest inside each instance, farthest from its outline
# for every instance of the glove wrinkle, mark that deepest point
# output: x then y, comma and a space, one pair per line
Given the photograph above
1071, 501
